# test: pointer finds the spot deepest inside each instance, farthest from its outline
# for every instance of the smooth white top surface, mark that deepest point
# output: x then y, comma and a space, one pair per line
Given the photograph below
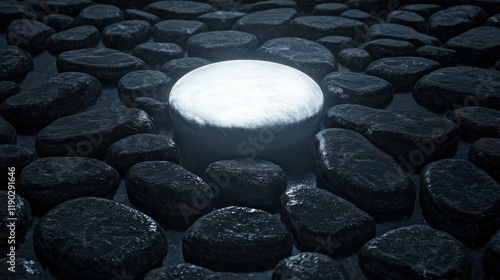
246, 94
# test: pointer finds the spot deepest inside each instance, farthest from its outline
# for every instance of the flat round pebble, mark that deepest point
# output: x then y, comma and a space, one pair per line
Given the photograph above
415, 252
220, 20
86, 134
247, 182
424, 10
15, 63
179, 9
477, 122
107, 65
461, 86
176, 68
100, 16
177, 31
126, 34
41, 103
361, 16
455, 20
365, 5
237, 239
355, 59
58, 22
23, 215
485, 154
478, 46
144, 83
8, 89
330, 9
307, 56
402, 72
28, 34
381, 48
401, 32
267, 24
413, 137
25, 269
156, 54
132, 14
10, 11
97, 238
336, 43
222, 45
187, 271
72, 39
309, 266
8, 133
461, 198
157, 110
14, 156
491, 258
50, 181
409, 19
66, 7
315, 27
267, 5
446, 57
136, 148
307, 211
494, 20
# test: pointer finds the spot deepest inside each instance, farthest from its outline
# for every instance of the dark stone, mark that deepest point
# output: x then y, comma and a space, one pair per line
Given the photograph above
307, 56
415, 252
479, 46
330, 9
485, 154
445, 57
8, 89
99, 238
132, 14
222, 45
246, 182
13, 156
315, 27
100, 16
25, 269
354, 58
409, 19
356, 88
127, 34
144, 83
8, 134
307, 211
176, 68
72, 39
455, 20
156, 54
11, 11
336, 43
309, 266
455, 87
367, 5
491, 258
107, 65
267, 5
177, 31
220, 20
28, 34
66, 7
382, 48
21, 211
424, 10
158, 111
50, 181
179, 9
361, 16
237, 239
494, 21
136, 148
267, 24
45, 101
401, 32
90, 133
413, 137
59, 22
461, 198
123, 3
497, 65
187, 271
308, 5
476, 122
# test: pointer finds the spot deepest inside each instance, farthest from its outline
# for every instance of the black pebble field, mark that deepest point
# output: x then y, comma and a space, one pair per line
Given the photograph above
400, 180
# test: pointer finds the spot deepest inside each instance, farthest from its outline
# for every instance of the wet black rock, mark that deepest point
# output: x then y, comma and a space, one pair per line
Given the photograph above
354, 58
15, 63
267, 5
401, 32
72, 39
246, 182
25, 269
14, 156
381, 48
28, 34
461, 86
8, 134
237, 239
58, 22
307, 56
179, 9
315, 27
477, 122
100, 16
177, 31
222, 45
99, 238
307, 211
353, 168
336, 43
43, 102
461, 198
485, 154
187, 271
10, 11
132, 14
491, 258
415, 252
220, 20
91, 133
157, 110
136, 148
66, 7
497, 65
8, 89
144, 83
156, 54
309, 266
176, 68
356, 88
494, 20
424, 10
413, 137
366, 5
267, 24
21, 211
409, 19
362, 16
50, 181
479, 46
455, 20
107, 65
330, 9
126, 34
445, 57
